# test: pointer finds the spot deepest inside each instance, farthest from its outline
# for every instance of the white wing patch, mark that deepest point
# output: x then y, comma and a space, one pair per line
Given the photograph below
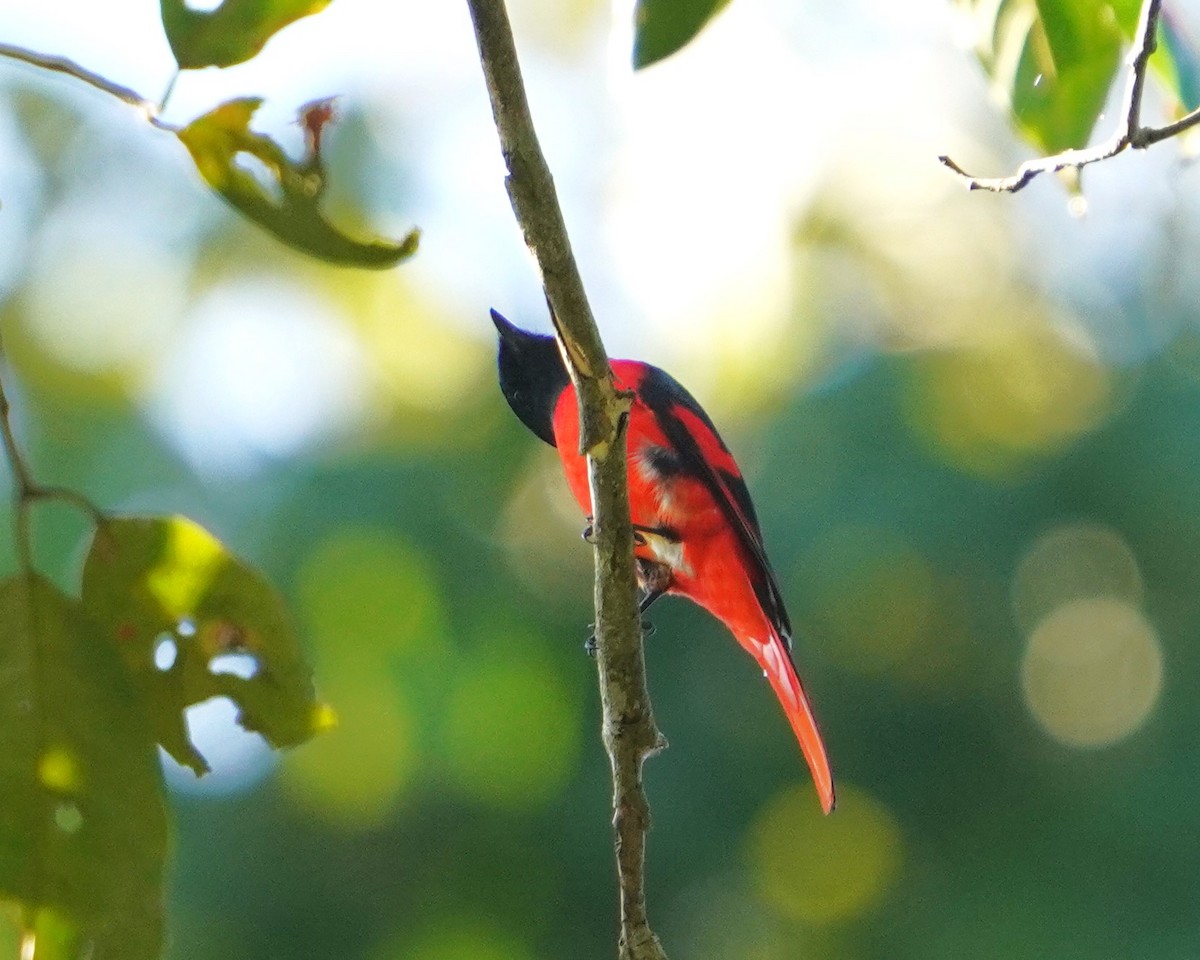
644, 461
669, 551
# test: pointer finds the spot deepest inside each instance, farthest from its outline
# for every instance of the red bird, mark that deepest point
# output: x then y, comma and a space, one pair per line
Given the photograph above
695, 531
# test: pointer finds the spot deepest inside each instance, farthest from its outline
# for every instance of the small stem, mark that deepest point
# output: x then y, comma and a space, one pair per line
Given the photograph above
27, 491
22, 483
147, 108
70, 497
24, 536
166, 95
1149, 135
23, 480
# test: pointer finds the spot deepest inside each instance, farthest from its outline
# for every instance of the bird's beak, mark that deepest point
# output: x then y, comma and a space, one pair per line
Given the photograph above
506, 330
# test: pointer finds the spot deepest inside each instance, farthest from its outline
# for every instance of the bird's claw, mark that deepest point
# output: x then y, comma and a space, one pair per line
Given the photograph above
589, 645
589, 532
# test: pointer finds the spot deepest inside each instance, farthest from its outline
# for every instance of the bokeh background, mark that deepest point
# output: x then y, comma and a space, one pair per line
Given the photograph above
971, 425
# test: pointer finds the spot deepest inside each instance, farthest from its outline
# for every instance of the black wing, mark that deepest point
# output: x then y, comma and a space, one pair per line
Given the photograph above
665, 396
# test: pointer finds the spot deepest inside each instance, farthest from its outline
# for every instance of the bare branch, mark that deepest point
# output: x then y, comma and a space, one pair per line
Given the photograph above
1148, 135
629, 731
1145, 39
1130, 135
64, 65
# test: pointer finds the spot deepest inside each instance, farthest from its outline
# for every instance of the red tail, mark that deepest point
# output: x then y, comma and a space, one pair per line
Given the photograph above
776, 662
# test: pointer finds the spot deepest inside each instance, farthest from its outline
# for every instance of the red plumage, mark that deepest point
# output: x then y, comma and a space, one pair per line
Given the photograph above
697, 534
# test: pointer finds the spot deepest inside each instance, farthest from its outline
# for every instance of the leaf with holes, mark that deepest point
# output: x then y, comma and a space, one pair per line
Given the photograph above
661, 27
286, 202
173, 600
232, 33
82, 818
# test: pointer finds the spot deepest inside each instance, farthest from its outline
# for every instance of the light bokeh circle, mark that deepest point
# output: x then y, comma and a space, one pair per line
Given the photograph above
819, 869
1072, 562
1092, 671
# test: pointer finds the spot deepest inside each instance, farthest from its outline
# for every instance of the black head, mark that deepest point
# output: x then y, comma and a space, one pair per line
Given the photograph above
532, 376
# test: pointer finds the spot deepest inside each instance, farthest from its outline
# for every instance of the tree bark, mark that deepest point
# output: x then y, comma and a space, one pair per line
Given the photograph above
629, 731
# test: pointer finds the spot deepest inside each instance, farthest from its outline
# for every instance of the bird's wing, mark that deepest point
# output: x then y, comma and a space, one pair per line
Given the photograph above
699, 452
703, 455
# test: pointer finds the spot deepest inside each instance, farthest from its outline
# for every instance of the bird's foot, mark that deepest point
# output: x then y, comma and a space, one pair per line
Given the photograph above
589, 645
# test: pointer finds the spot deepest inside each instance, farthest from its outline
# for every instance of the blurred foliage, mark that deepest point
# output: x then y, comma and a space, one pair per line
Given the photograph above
173, 602
288, 203
661, 27
82, 826
231, 33
86, 693
1052, 63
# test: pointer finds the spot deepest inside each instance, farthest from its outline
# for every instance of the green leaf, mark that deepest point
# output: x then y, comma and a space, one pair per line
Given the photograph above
287, 204
82, 819
1052, 63
232, 33
166, 580
662, 27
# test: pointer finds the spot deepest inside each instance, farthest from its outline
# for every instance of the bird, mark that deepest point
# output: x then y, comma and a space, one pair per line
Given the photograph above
695, 530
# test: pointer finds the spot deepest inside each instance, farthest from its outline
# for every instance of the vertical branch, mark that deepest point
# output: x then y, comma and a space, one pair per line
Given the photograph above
23, 484
1144, 42
629, 731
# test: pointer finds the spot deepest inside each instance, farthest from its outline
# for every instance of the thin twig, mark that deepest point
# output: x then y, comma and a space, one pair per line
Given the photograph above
68, 496
629, 731
23, 480
1150, 135
147, 108
1130, 135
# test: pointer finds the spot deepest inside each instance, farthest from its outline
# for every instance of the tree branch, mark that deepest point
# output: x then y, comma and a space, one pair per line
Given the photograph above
27, 491
629, 731
22, 482
1131, 133
64, 65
